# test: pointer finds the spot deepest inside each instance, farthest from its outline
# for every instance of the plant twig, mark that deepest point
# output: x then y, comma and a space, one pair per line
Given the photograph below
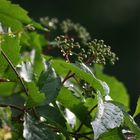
14, 69
68, 76
12, 106
92, 109
80, 135
80, 126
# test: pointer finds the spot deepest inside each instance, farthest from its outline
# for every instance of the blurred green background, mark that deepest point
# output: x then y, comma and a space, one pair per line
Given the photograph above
117, 22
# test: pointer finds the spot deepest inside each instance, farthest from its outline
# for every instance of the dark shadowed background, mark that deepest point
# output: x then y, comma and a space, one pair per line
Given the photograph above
117, 22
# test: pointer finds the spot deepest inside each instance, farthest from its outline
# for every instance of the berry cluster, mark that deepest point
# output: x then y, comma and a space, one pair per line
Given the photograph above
91, 53
68, 47
100, 53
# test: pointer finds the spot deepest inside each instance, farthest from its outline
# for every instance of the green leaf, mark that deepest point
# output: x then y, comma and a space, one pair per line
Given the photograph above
109, 116
113, 134
62, 68
87, 70
8, 21
49, 83
50, 113
35, 97
11, 47
68, 100
36, 40
6, 88
129, 121
3, 65
118, 91
16, 17
38, 26
36, 130
137, 111
16, 11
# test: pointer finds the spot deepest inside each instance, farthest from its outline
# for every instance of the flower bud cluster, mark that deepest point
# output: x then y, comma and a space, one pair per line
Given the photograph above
50, 23
75, 30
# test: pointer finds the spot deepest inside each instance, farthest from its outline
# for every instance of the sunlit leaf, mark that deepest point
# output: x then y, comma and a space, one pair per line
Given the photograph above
10, 22
17, 16
137, 111
25, 69
109, 116
15, 11
11, 47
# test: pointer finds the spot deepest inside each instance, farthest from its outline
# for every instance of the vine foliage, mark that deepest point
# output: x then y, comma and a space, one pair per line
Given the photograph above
52, 84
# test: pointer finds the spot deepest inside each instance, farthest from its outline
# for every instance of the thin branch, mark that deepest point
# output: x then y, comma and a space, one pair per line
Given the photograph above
92, 109
68, 76
78, 82
4, 80
12, 106
80, 126
14, 69
55, 129
90, 59
69, 72
80, 135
